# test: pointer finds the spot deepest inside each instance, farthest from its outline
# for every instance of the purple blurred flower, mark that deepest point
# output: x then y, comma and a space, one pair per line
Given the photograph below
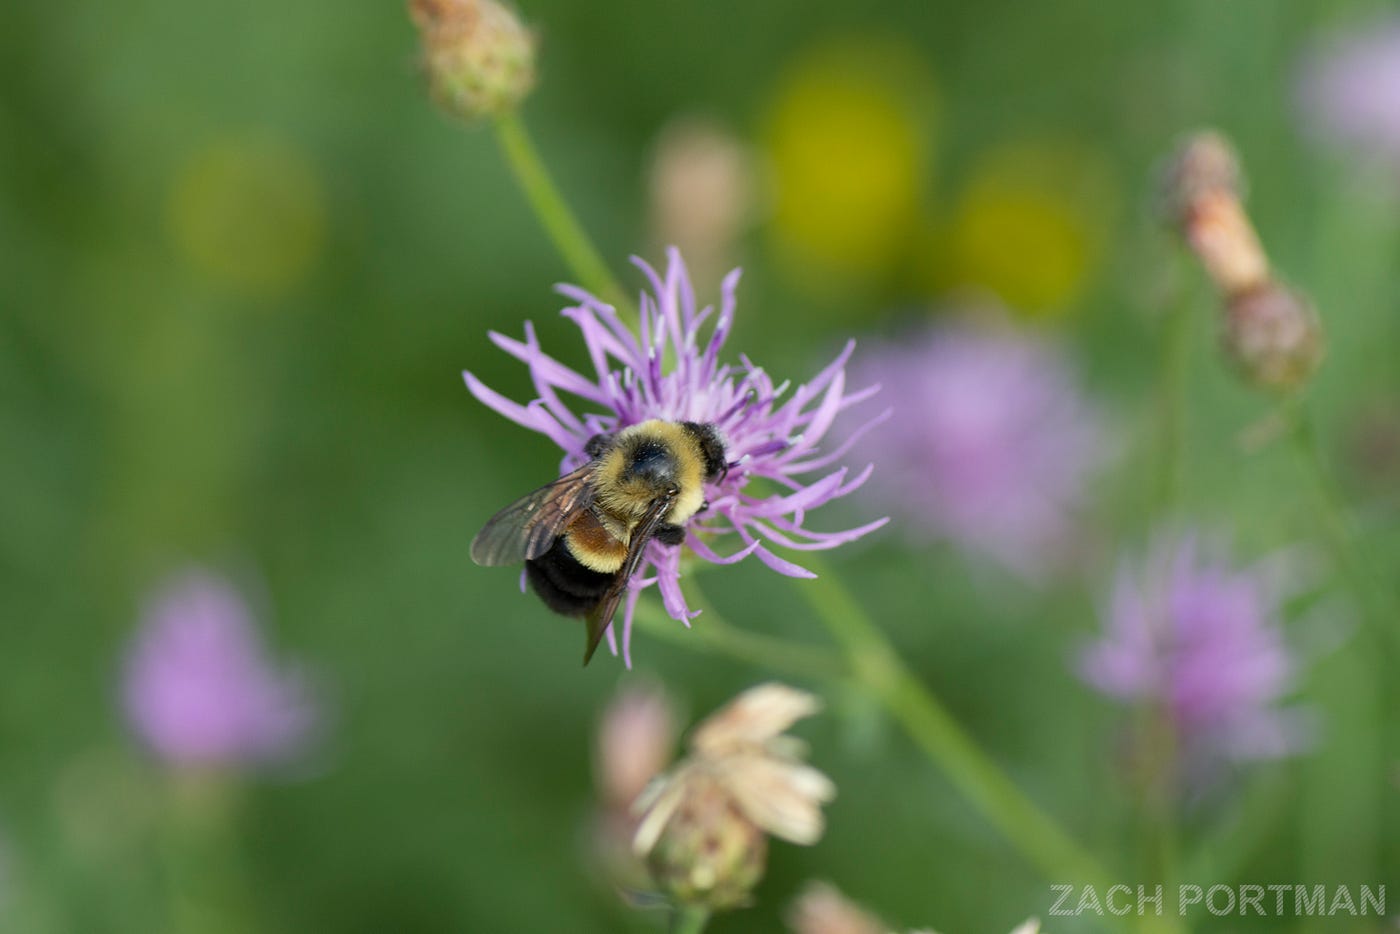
992, 446
671, 373
1188, 631
1349, 89
199, 689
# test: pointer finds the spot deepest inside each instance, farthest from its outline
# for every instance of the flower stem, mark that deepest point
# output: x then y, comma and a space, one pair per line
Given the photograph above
207, 890
1174, 369
935, 731
1336, 526
553, 212
1343, 798
712, 633
1157, 790
689, 920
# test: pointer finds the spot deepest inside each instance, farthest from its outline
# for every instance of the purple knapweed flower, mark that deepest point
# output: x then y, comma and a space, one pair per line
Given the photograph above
1349, 89
992, 446
1200, 638
670, 372
199, 689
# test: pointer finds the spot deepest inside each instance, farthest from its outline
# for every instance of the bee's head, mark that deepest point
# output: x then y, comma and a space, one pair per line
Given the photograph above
649, 463
712, 451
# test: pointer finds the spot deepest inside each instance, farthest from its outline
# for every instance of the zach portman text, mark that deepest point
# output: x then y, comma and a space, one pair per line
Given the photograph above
1272, 900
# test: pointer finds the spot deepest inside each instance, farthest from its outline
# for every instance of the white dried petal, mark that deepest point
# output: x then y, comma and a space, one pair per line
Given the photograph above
656, 806
784, 798
754, 718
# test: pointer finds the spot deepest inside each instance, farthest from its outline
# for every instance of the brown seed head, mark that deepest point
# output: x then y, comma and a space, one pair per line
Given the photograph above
479, 57
1273, 335
1205, 163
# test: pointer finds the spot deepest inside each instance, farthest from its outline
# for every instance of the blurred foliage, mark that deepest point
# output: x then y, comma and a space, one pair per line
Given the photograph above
243, 261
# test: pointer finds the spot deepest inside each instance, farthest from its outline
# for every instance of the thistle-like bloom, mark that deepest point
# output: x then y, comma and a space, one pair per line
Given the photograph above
672, 372
199, 690
1349, 89
703, 825
992, 446
1200, 638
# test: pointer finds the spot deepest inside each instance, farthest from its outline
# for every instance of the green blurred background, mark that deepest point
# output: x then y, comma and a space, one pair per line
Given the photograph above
243, 261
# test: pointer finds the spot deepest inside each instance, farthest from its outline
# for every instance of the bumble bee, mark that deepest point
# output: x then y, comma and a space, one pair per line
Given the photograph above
582, 536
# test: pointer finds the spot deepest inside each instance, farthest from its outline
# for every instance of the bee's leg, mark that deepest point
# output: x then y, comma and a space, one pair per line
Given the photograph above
596, 445
704, 507
668, 534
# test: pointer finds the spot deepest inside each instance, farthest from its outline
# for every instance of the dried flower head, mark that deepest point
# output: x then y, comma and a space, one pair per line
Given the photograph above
1273, 335
1218, 231
702, 189
635, 739
479, 57
822, 909
671, 372
1203, 200
1271, 332
993, 444
1204, 165
199, 690
704, 825
1200, 639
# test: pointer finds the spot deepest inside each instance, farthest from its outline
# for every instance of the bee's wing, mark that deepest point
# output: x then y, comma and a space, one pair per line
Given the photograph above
528, 527
601, 615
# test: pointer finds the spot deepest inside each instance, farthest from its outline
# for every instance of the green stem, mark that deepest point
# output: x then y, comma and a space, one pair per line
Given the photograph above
1174, 370
1158, 787
1160, 791
554, 215
1341, 792
207, 890
1336, 526
689, 920
936, 732
712, 633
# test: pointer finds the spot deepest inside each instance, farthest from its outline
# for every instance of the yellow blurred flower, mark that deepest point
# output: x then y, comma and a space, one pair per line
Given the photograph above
248, 212
1031, 224
848, 143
